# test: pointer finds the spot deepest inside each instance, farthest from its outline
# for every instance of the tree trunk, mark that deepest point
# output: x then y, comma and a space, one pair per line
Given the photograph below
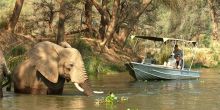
133, 19
61, 28
214, 19
112, 24
104, 20
16, 13
110, 21
88, 16
124, 32
51, 17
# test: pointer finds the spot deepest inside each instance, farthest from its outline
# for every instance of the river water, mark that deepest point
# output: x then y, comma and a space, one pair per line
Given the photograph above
201, 94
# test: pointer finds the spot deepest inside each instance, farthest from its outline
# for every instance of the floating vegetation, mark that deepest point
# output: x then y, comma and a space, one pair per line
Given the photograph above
132, 109
111, 99
202, 81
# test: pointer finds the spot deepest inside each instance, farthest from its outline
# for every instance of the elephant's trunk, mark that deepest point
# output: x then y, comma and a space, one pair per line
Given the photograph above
85, 87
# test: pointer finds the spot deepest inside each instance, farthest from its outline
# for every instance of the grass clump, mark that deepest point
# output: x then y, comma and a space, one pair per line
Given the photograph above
93, 65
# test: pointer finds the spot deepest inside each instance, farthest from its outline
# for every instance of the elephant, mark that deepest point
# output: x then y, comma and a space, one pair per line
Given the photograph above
46, 68
4, 73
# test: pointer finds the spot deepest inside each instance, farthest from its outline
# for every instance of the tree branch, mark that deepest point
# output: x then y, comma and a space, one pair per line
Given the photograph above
98, 7
145, 5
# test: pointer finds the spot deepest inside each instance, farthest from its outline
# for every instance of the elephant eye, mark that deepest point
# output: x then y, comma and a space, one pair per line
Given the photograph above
68, 69
71, 65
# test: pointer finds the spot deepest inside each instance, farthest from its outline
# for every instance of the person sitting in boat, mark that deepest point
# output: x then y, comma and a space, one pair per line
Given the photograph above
171, 61
178, 55
179, 62
148, 59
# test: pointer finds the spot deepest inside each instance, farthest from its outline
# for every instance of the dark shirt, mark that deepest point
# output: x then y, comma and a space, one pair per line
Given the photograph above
178, 52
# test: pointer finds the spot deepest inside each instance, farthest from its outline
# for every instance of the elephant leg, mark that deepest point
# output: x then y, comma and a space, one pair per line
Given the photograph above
29, 90
1, 93
51, 91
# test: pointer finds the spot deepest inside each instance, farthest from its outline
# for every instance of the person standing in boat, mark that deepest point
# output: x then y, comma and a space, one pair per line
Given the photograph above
178, 55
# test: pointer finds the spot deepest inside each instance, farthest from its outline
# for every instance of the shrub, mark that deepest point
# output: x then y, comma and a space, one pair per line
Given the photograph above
15, 56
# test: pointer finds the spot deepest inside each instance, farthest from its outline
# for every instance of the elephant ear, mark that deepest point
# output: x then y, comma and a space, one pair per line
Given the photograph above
45, 58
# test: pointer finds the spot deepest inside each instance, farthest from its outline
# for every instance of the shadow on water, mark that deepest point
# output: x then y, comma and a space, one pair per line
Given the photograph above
201, 94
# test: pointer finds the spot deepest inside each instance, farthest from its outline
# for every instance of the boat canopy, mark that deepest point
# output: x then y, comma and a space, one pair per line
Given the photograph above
162, 39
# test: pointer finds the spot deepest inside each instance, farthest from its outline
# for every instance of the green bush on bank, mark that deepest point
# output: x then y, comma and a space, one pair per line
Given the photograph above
15, 56
94, 63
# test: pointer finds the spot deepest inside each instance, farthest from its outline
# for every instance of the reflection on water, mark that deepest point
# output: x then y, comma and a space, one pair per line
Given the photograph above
202, 94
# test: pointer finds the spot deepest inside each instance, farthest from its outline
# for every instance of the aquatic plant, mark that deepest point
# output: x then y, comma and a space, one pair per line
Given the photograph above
132, 109
111, 98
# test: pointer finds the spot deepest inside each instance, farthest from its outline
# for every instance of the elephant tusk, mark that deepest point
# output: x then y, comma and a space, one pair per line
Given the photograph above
98, 92
82, 90
78, 87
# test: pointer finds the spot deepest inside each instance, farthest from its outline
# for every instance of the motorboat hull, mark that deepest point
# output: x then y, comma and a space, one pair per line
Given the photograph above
140, 71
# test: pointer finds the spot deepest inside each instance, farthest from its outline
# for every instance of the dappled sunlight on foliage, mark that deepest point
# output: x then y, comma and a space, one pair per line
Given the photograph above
15, 56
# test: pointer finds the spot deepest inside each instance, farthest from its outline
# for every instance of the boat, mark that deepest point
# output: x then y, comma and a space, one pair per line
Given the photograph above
150, 71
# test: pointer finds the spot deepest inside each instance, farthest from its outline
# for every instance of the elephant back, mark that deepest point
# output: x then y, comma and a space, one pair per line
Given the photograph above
44, 49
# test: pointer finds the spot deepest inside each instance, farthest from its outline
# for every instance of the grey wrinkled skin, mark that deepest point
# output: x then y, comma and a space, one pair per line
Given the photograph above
47, 67
4, 72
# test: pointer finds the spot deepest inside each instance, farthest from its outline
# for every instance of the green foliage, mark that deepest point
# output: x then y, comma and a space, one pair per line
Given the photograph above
82, 46
215, 56
5, 3
5, 9
93, 65
111, 99
3, 22
19, 50
198, 65
92, 62
164, 54
116, 67
15, 56
206, 40
176, 18
14, 61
